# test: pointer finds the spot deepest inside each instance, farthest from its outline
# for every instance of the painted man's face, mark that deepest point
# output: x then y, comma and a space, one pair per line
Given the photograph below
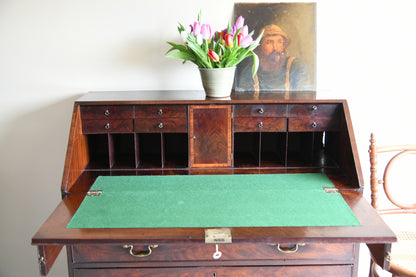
273, 44
271, 49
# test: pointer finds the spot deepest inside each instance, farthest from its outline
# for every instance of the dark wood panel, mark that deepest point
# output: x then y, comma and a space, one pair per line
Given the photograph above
289, 271
210, 136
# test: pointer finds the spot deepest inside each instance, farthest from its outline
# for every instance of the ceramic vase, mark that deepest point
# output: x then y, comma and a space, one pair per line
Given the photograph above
217, 82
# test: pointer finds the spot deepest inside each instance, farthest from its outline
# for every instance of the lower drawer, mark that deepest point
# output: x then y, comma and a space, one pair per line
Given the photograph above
309, 253
293, 271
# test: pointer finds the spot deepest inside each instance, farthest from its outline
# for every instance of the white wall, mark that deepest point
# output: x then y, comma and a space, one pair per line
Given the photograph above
51, 51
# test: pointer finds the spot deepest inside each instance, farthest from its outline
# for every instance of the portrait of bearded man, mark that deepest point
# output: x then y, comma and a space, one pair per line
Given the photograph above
277, 71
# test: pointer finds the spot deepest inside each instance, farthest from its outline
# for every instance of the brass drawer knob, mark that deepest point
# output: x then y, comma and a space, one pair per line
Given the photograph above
314, 124
160, 112
260, 111
107, 112
160, 125
314, 108
141, 254
107, 126
260, 124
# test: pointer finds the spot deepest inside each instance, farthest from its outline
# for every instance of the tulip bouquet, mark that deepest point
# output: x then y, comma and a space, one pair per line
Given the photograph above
208, 49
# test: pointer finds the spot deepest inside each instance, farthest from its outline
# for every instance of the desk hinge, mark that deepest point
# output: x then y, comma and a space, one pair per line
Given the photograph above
94, 192
335, 190
331, 190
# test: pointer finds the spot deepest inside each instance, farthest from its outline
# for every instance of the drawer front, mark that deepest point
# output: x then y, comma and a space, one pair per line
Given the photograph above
157, 111
267, 110
313, 124
107, 126
292, 271
106, 112
260, 124
315, 110
164, 125
331, 253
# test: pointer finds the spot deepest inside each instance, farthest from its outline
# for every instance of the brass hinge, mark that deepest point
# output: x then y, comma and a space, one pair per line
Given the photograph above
331, 190
94, 192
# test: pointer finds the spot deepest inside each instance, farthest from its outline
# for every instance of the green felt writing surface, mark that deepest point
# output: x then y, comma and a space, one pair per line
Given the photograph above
209, 201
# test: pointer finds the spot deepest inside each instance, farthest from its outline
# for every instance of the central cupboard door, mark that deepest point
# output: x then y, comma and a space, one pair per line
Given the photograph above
210, 135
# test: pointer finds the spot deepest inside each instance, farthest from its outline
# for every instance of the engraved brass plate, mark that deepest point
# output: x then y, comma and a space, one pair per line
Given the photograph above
217, 236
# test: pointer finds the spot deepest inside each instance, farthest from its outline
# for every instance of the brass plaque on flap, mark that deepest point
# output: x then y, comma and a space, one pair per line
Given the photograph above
216, 236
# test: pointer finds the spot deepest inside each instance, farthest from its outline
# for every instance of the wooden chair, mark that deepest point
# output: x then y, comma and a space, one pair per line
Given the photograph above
402, 257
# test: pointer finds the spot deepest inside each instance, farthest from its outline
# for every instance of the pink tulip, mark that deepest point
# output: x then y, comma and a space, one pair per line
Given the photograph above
246, 41
213, 56
240, 22
206, 31
196, 28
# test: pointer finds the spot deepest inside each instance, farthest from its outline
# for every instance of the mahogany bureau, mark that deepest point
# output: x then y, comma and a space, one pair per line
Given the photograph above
182, 133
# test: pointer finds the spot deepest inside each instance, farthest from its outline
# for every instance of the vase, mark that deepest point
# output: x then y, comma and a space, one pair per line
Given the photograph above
217, 82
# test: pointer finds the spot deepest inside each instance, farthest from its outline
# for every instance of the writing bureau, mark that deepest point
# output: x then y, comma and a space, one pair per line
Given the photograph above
146, 134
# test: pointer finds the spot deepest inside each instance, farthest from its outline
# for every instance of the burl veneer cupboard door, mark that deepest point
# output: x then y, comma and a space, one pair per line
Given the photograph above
210, 135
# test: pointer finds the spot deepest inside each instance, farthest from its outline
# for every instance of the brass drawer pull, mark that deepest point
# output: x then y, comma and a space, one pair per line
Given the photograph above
314, 108
293, 249
141, 254
260, 111
160, 112
260, 124
160, 125
107, 126
107, 112
314, 125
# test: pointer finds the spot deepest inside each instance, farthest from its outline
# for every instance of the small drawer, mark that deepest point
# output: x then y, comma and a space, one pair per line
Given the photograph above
156, 111
330, 253
267, 110
260, 124
107, 126
316, 110
307, 124
164, 125
106, 112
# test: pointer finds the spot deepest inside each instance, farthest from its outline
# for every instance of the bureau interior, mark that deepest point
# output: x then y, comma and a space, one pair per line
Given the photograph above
251, 149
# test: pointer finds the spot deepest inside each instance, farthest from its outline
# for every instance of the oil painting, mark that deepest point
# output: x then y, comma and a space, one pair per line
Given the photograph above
287, 51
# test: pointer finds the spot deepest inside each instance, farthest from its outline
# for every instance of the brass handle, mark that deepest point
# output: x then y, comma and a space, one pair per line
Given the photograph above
160, 125
260, 124
290, 250
314, 125
141, 254
314, 107
160, 112
107, 126
107, 112
260, 111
